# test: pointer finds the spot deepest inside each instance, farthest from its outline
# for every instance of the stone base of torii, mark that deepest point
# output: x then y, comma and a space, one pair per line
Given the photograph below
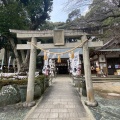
60, 44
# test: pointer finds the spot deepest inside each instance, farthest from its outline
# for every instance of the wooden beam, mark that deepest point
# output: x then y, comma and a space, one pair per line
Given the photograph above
110, 50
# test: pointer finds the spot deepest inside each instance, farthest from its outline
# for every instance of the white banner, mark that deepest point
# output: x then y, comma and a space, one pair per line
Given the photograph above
76, 60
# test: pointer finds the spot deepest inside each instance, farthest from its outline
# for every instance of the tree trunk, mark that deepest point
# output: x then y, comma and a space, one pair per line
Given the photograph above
27, 57
22, 52
15, 52
26, 60
25, 64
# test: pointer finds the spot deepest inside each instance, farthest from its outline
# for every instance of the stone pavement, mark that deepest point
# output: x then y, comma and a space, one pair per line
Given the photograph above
60, 102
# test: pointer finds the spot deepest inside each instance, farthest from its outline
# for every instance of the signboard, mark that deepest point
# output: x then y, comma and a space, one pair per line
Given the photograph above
102, 58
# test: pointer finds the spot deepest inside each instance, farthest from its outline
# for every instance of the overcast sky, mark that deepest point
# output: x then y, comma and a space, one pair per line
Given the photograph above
59, 14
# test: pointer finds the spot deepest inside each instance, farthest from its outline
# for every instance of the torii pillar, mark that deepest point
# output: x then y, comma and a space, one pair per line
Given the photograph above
31, 75
87, 70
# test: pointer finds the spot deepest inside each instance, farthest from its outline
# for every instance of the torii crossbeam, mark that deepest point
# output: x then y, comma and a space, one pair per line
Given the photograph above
58, 37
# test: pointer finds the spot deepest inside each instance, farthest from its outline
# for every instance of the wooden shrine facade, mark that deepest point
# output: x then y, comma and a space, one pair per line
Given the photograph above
108, 56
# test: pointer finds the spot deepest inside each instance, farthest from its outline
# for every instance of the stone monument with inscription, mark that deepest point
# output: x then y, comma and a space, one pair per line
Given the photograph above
58, 37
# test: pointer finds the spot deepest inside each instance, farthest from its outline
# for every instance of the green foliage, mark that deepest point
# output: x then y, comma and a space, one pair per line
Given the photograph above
60, 25
108, 21
100, 13
21, 15
74, 14
40, 79
12, 16
47, 26
24, 14
38, 11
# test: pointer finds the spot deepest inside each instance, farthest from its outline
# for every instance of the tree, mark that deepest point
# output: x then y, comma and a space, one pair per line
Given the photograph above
98, 10
76, 4
35, 12
106, 15
38, 11
102, 10
22, 14
101, 14
74, 14
47, 26
11, 16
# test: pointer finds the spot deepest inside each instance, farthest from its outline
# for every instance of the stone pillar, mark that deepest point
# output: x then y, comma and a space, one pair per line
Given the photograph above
31, 75
87, 70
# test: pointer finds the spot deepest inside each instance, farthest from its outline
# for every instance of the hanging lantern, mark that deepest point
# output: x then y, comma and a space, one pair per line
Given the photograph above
45, 55
59, 59
72, 54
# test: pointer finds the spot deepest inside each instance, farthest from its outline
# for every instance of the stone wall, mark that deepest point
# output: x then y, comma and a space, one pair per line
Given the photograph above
11, 94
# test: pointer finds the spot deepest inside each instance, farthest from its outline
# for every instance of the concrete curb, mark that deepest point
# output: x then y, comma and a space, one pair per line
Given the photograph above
83, 99
90, 114
33, 108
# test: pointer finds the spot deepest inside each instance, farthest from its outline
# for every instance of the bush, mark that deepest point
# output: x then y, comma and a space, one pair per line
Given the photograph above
40, 81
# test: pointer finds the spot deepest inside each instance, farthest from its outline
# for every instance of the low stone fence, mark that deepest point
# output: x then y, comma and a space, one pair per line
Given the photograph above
14, 91
79, 81
18, 76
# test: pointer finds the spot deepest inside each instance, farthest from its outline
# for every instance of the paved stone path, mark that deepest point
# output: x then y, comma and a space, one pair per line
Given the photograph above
60, 102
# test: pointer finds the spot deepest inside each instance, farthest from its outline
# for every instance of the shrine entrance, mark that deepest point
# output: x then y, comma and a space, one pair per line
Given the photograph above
64, 66
62, 70
59, 42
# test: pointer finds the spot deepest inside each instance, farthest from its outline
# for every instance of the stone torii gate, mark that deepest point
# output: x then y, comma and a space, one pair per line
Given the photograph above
58, 37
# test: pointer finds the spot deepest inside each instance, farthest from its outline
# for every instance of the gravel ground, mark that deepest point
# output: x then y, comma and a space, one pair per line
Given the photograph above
13, 112
107, 109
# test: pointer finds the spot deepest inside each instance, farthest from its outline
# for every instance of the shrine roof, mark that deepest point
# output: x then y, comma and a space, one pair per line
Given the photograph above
56, 50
